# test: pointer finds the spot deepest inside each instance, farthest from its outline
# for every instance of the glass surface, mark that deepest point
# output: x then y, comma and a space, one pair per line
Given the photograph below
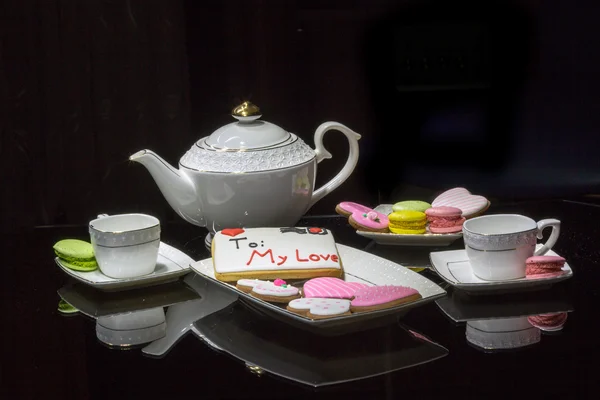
51, 354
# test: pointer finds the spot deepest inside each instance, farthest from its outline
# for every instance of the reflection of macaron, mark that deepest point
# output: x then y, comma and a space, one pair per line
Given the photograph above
544, 265
414, 205
407, 222
445, 219
548, 322
76, 254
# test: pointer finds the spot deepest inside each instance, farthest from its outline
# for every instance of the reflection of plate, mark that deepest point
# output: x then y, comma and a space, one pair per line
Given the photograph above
359, 266
454, 267
171, 264
270, 346
394, 239
95, 303
460, 307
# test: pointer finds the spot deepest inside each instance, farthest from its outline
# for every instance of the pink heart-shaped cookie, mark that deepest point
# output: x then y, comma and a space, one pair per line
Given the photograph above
470, 204
381, 295
331, 288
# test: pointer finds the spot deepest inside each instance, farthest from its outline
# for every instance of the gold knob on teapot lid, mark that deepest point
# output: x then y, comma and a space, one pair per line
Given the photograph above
246, 109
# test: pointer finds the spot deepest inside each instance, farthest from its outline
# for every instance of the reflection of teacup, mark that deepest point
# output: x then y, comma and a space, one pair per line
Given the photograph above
132, 328
125, 245
498, 245
502, 333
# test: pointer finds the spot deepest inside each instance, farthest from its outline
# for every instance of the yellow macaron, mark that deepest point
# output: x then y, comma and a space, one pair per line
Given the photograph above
408, 222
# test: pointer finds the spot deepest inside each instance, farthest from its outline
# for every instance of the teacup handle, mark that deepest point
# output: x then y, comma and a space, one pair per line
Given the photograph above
322, 154
543, 224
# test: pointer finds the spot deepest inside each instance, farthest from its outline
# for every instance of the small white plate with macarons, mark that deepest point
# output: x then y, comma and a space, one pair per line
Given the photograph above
396, 239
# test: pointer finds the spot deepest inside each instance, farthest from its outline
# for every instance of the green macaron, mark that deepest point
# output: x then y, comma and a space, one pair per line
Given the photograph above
76, 254
412, 205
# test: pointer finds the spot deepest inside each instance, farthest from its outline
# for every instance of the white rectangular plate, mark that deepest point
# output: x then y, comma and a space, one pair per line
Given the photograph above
395, 239
171, 264
359, 266
454, 267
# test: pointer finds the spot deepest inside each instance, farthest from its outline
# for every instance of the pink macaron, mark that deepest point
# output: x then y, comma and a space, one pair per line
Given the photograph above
544, 265
445, 219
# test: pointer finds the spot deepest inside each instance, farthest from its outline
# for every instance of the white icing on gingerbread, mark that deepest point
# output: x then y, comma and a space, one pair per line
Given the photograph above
321, 307
270, 289
262, 249
250, 282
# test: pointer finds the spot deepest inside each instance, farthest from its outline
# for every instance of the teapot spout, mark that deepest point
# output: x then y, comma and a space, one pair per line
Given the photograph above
175, 185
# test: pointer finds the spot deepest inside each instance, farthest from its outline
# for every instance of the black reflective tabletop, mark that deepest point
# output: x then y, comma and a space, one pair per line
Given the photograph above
190, 338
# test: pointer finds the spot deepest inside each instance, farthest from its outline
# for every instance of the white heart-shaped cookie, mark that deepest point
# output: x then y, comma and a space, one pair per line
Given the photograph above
319, 308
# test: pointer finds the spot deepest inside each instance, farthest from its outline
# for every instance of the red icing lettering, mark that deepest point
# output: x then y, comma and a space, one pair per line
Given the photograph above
298, 257
325, 257
258, 253
334, 258
314, 257
283, 259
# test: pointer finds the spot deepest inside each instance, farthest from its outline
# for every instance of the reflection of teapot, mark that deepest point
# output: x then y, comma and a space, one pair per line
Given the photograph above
248, 173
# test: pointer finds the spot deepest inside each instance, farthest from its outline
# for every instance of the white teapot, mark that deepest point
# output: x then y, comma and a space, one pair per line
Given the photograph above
249, 173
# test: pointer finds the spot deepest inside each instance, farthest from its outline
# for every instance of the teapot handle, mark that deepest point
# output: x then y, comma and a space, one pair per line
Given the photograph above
322, 154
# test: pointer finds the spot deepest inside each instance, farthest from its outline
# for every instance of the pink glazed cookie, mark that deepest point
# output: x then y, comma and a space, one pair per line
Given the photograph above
332, 288
445, 219
375, 298
363, 218
347, 208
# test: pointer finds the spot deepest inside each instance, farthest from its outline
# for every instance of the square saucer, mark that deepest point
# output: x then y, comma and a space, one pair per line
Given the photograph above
171, 264
454, 267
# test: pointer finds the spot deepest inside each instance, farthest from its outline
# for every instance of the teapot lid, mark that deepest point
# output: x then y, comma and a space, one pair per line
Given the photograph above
248, 132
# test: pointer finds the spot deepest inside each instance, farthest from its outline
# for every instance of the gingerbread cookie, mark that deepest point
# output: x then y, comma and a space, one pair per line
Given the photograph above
374, 298
316, 308
275, 292
347, 208
363, 218
270, 253
246, 285
334, 288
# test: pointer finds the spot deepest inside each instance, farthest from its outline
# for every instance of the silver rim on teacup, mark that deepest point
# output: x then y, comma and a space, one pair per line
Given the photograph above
124, 237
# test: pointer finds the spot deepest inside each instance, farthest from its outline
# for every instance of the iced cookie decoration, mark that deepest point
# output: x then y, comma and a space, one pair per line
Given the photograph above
381, 297
275, 292
331, 288
315, 308
271, 253
347, 208
470, 205
246, 285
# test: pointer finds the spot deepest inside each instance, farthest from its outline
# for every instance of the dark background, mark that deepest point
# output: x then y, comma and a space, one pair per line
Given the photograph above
503, 100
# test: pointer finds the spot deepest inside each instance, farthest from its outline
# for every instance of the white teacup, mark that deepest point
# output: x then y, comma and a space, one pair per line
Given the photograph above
498, 245
125, 245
